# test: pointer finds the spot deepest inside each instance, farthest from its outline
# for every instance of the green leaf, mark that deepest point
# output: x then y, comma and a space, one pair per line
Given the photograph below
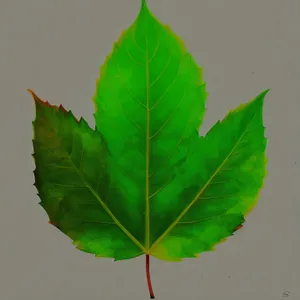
217, 185
72, 181
150, 101
144, 181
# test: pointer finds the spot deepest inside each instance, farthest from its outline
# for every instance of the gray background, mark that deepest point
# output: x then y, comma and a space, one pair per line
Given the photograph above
56, 48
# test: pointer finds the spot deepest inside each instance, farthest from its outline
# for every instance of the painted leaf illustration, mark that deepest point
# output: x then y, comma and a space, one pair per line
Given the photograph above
144, 181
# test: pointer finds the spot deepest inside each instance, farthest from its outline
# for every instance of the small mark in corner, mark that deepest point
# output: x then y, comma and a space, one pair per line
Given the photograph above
286, 294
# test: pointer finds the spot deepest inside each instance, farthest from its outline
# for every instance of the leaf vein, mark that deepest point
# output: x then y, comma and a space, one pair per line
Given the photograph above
68, 185
169, 86
202, 219
135, 61
129, 117
98, 222
170, 117
198, 195
154, 52
159, 190
136, 44
127, 89
220, 197
161, 73
54, 166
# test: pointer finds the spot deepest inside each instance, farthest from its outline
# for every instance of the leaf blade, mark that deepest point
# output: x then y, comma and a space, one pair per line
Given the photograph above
209, 147
149, 81
71, 195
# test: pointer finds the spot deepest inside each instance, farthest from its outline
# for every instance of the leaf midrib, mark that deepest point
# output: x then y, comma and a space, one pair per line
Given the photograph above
147, 208
198, 195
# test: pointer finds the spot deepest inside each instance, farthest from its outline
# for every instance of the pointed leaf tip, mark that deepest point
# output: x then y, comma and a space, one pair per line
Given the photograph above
264, 93
36, 98
144, 4
31, 93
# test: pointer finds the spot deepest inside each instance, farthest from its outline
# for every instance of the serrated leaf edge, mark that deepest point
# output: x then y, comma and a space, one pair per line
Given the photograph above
175, 222
109, 212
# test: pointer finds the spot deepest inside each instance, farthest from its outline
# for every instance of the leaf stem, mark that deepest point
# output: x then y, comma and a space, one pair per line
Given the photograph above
148, 277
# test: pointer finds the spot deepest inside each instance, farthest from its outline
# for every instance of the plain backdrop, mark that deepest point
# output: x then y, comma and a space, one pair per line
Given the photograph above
56, 48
